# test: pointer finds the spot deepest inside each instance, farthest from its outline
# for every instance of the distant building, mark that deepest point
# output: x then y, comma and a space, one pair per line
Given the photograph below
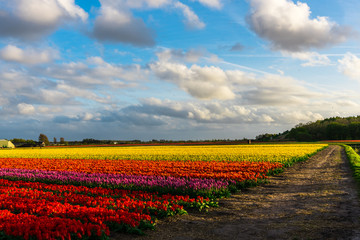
6, 144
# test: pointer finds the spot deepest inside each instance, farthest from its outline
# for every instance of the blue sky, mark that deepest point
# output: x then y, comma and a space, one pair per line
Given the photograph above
175, 69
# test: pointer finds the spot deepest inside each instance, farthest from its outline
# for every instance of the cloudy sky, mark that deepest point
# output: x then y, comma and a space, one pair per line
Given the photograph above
175, 69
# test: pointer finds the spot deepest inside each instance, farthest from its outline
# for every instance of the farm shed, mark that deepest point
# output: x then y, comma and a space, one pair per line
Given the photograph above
6, 143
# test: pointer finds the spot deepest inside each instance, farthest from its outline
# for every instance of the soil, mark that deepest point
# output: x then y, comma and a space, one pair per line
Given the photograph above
315, 199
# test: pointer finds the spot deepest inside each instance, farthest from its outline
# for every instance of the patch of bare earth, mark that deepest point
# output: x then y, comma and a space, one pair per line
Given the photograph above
315, 199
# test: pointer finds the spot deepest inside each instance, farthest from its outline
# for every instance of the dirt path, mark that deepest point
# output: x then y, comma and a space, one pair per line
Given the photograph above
316, 199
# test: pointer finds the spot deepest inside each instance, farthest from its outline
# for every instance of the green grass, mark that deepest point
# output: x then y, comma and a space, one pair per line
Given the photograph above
354, 160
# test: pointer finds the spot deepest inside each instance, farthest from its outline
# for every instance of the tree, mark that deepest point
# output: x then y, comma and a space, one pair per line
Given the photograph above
354, 130
300, 134
62, 140
43, 138
18, 140
91, 141
336, 131
55, 141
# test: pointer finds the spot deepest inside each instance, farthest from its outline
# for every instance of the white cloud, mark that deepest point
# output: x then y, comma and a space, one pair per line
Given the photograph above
28, 56
33, 19
16, 82
52, 97
212, 82
288, 26
189, 56
218, 114
48, 11
266, 118
72, 10
346, 103
200, 82
350, 66
76, 92
177, 55
93, 82
211, 3
49, 110
146, 3
277, 90
192, 21
115, 24
313, 58
94, 71
213, 111
39, 11
26, 109
298, 116
96, 61
88, 117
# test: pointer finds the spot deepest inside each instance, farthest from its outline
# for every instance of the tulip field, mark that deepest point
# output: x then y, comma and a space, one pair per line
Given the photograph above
90, 192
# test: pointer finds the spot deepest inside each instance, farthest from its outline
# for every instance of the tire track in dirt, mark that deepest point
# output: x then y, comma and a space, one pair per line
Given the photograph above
315, 199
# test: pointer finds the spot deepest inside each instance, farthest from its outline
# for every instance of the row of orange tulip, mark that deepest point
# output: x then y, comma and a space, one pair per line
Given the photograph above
238, 171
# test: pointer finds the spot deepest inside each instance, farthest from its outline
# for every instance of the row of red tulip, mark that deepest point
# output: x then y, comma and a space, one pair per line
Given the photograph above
85, 211
28, 226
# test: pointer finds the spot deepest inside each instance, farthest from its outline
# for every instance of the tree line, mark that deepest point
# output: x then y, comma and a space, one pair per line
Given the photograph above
43, 140
335, 128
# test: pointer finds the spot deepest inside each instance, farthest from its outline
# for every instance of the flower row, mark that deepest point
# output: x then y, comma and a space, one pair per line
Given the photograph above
94, 210
47, 228
122, 196
193, 186
224, 170
253, 152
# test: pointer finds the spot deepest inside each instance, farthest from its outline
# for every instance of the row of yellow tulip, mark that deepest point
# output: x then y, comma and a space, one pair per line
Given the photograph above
269, 152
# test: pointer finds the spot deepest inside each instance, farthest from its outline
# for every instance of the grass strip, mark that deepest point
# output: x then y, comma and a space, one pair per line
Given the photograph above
354, 160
